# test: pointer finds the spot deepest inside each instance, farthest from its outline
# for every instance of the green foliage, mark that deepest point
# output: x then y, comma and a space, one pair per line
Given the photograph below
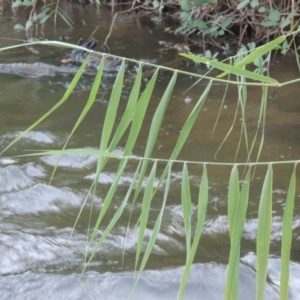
237, 208
210, 18
26, 3
39, 16
263, 233
273, 18
286, 244
149, 168
216, 18
158, 5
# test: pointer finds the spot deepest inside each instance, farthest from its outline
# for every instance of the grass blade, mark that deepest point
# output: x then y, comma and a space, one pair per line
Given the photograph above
186, 129
116, 216
154, 129
57, 105
257, 53
129, 111
239, 71
108, 199
145, 212
157, 224
239, 210
112, 108
286, 242
188, 125
202, 206
233, 196
90, 102
186, 203
110, 117
79, 151
263, 234
139, 114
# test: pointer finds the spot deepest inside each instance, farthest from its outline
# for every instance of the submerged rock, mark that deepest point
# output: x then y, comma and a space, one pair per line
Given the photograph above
35, 69
94, 60
76, 56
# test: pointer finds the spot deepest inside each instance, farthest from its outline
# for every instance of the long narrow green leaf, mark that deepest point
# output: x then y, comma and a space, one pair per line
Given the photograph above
231, 69
126, 119
157, 224
221, 108
260, 51
260, 124
154, 129
129, 111
188, 125
108, 199
242, 91
139, 114
63, 16
229, 131
287, 234
85, 110
263, 234
186, 203
202, 207
57, 105
159, 115
90, 102
115, 218
233, 197
80, 151
257, 53
263, 112
186, 129
66, 15
240, 209
110, 117
145, 212
112, 108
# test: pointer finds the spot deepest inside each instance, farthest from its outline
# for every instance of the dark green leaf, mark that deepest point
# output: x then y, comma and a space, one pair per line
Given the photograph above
231, 69
268, 23
201, 24
184, 16
226, 23
274, 15
19, 27
213, 29
287, 20
201, 2
264, 234
21, 3
185, 5
17, 3
254, 3
287, 235
237, 213
262, 9
28, 25
242, 4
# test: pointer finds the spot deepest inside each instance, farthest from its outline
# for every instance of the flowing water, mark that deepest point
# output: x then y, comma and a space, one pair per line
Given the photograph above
42, 255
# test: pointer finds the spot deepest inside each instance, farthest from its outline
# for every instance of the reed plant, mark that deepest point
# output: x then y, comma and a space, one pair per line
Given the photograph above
128, 128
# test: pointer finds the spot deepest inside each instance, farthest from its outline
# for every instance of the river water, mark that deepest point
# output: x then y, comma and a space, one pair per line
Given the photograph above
42, 256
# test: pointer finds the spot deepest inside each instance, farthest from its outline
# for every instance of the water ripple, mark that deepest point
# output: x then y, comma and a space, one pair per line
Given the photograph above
39, 198
13, 178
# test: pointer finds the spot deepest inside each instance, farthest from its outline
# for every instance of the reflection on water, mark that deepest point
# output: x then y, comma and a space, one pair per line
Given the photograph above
42, 255
205, 279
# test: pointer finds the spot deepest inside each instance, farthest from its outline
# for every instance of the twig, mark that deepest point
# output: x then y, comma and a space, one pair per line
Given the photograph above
113, 22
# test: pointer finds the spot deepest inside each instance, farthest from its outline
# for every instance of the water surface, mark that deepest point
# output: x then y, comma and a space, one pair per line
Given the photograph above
42, 254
